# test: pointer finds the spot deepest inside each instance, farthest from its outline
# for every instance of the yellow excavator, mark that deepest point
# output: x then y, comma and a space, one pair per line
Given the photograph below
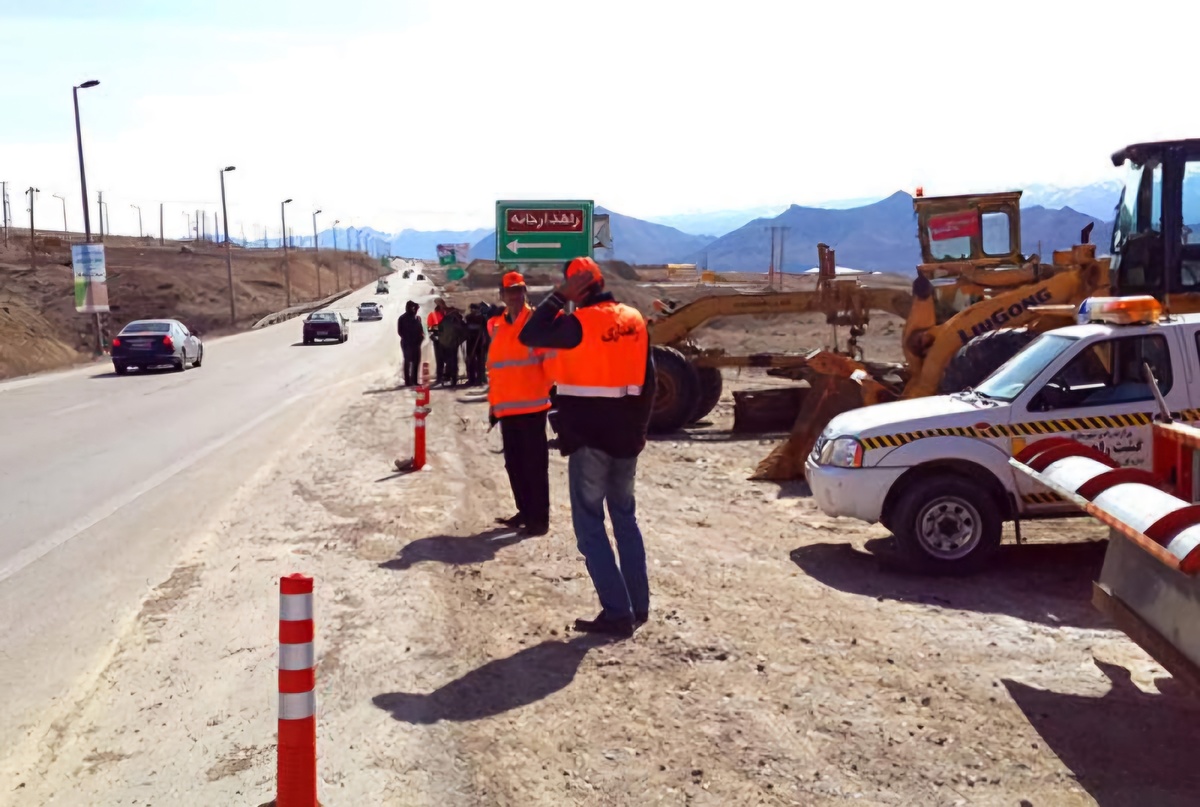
972, 282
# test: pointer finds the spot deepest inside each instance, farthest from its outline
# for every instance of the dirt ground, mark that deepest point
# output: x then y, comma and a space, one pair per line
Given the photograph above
785, 662
40, 329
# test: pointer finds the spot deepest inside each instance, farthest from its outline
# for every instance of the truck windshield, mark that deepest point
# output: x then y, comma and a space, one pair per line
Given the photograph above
1019, 372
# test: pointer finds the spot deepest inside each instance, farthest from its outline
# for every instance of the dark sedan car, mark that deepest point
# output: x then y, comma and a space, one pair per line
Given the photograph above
148, 343
321, 325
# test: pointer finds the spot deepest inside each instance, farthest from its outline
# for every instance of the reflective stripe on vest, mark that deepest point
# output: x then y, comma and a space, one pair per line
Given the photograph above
599, 392
610, 360
517, 380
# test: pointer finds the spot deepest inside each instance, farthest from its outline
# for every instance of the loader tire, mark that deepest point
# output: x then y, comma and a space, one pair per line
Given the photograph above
677, 387
982, 356
710, 386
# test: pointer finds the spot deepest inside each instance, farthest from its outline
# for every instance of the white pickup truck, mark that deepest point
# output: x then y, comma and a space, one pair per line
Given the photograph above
935, 470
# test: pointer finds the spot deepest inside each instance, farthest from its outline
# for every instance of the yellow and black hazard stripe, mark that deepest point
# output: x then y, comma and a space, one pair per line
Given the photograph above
1035, 428
1041, 498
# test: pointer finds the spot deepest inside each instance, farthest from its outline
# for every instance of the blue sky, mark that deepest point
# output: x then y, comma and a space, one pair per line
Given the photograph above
421, 114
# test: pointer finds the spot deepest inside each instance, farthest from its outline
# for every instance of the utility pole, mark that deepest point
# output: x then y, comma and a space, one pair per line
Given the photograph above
141, 233
62, 199
196, 226
4, 210
782, 240
162, 241
100, 209
32, 244
317, 251
771, 265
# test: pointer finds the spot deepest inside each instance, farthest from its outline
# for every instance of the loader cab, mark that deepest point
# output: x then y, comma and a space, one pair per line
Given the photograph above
982, 229
1156, 231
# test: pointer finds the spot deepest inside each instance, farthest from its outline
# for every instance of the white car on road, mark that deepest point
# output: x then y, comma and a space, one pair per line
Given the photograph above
935, 470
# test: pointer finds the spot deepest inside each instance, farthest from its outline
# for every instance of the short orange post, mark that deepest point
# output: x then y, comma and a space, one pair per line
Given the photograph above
296, 774
419, 415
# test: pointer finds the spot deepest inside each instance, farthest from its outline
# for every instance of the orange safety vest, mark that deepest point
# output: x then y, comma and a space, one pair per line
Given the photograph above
435, 318
610, 362
517, 380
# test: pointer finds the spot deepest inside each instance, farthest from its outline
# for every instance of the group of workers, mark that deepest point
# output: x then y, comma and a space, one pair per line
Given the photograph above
589, 372
449, 330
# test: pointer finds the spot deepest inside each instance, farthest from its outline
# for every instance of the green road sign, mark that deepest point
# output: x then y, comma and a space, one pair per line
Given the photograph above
543, 232
457, 273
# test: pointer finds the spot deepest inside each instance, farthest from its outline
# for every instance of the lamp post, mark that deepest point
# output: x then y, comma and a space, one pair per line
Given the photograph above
62, 199
32, 193
316, 249
287, 271
139, 210
337, 275
228, 253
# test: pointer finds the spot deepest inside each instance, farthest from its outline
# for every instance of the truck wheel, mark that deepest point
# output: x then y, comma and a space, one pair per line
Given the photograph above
709, 385
982, 356
946, 525
676, 390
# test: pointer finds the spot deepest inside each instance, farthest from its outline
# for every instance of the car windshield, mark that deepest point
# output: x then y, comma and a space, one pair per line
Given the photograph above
147, 327
1018, 372
322, 316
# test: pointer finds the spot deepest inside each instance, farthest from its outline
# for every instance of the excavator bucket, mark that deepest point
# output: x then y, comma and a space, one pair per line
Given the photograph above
830, 396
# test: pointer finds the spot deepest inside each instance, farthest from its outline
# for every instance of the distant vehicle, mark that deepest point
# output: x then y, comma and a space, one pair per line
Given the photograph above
381, 287
147, 343
407, 274
370, 310
322, 325
420, 277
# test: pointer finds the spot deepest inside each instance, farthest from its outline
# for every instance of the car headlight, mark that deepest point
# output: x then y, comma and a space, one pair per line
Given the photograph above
842, 452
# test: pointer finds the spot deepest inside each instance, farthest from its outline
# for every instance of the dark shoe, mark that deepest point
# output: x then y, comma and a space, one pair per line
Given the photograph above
609, 626
534, 530
512, 521
640, 618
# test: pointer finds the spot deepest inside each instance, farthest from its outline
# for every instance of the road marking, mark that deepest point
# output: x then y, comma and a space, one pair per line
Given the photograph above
36, 551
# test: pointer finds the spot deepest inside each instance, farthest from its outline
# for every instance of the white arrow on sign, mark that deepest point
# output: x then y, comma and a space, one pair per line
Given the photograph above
516, 246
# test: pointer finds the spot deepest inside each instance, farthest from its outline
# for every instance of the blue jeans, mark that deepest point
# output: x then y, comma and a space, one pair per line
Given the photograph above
595, 477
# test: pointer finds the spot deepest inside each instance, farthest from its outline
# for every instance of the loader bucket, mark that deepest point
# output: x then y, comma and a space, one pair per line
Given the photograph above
830, 396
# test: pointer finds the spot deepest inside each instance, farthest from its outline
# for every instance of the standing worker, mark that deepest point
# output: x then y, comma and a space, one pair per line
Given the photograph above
433, 322
605, 388
476, 344
408, 326
519, 398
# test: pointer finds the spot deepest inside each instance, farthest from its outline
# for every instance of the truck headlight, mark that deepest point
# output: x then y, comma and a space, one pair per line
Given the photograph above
842, 452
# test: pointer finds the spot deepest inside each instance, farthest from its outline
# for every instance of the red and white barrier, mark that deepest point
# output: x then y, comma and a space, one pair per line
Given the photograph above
296, 775
419, 415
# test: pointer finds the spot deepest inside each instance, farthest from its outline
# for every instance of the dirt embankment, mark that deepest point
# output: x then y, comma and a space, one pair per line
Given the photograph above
40, 329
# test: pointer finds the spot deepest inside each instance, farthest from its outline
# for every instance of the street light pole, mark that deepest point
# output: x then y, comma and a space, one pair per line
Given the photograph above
32, 192
228, 253
62, 199
141, 234
287, 269
317, 250
337, 274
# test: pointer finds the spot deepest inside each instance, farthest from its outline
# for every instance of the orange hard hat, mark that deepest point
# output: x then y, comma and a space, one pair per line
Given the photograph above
584, 265
512, 280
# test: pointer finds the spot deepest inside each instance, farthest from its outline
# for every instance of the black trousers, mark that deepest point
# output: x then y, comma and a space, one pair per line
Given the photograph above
412, 363
439, 357
476, 362
527, 460
451, 376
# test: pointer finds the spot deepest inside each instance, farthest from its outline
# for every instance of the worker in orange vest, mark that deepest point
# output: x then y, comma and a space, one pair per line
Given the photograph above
519, 398
604, 378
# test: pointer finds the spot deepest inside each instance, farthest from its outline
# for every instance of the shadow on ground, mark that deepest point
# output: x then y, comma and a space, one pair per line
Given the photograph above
1126, 748
499, 686
455, 550
1050, 584
717, 436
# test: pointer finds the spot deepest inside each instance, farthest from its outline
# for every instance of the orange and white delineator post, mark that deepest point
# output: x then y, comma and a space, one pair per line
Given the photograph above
419, 415
296, 774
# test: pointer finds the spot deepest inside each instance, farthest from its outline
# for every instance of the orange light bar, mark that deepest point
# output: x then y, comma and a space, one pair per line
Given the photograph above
1139, 310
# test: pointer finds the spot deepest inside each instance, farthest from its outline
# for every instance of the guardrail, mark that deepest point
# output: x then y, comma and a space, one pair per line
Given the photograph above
297, 310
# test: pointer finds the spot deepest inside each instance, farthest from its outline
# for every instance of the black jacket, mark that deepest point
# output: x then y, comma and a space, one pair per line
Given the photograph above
616, 426
412, 334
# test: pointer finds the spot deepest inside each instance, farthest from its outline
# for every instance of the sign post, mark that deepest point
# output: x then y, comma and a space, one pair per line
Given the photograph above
543, 231
91, 288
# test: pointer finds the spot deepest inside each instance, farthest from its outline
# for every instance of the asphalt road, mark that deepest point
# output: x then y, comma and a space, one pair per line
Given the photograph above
105, 479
